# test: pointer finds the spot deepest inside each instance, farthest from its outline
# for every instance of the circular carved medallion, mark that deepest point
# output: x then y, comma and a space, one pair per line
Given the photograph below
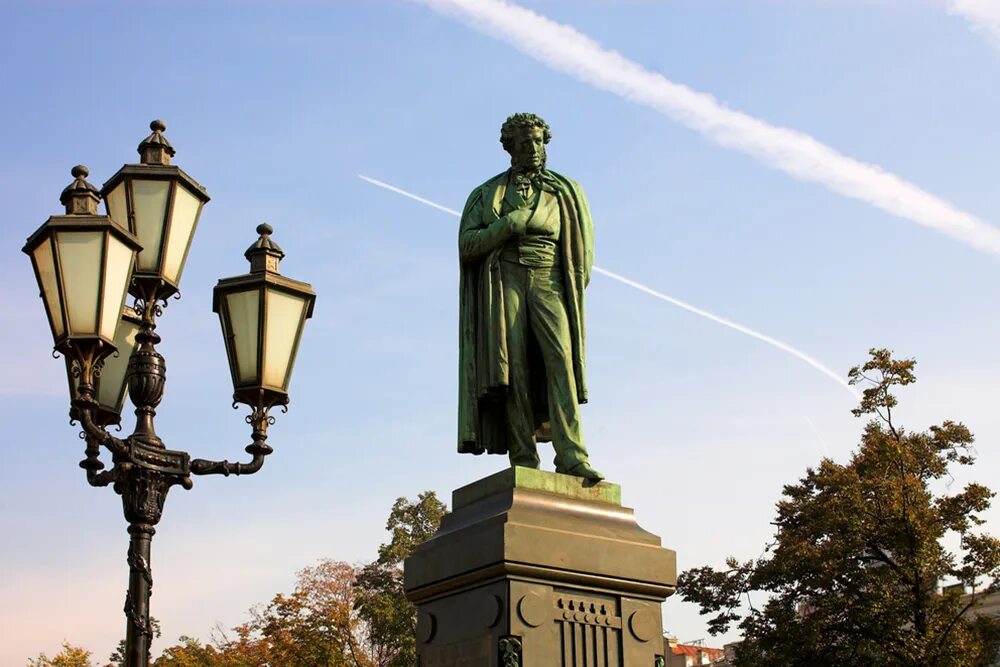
533, 609
426, 627
490, 608
643, 625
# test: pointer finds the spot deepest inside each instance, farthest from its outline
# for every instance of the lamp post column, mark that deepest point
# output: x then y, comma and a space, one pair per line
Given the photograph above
146, 475
138, 631
85, 265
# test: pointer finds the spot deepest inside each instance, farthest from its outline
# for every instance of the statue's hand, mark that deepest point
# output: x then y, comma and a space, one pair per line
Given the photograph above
517, 220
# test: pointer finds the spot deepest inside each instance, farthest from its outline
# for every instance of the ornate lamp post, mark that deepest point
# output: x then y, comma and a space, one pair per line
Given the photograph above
86, 264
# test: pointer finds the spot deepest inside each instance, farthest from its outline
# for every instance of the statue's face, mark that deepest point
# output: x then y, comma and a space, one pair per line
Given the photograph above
528, 151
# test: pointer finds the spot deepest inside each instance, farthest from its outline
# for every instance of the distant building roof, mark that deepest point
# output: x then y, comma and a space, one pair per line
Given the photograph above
696, 651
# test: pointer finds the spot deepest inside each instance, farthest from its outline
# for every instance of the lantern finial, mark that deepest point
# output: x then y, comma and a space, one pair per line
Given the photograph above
80, 197
155, 149
264, 255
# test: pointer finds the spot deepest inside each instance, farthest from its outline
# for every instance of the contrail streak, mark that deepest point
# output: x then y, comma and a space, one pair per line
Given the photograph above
984, 15
565, 49
382, 184
781, 345
824, 446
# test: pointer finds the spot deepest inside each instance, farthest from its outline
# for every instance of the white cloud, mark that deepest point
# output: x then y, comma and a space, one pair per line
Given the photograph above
565, 49
984, 15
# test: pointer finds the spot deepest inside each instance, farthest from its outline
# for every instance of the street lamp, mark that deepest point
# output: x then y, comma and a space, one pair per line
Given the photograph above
86, 264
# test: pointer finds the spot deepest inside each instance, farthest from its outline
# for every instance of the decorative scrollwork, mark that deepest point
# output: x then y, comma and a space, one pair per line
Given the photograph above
142, 627
142, 307
144, 494
510, 651
260, 418
138, 564
256, 417
95, 368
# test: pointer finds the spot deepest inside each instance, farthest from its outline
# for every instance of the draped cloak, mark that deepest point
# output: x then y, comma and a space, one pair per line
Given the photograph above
483, 375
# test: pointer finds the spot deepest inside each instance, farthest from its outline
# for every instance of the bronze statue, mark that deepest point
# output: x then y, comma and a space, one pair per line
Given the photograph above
526, 250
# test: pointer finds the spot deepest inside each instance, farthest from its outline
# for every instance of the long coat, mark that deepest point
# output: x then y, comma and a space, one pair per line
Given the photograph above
483, 360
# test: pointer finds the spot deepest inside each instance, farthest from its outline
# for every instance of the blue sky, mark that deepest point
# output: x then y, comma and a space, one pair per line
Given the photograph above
275, 109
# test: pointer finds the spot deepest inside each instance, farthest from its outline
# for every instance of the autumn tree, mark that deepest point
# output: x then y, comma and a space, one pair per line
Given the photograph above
853, 574
316, 625
189, 653
379, 601
69, 656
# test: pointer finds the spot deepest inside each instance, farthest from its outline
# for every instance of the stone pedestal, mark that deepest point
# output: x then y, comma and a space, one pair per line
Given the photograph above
532, 569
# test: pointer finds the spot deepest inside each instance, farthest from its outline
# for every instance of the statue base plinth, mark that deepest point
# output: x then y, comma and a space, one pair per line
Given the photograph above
533, 569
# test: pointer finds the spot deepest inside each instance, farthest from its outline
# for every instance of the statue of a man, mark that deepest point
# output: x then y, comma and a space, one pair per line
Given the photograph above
526, 250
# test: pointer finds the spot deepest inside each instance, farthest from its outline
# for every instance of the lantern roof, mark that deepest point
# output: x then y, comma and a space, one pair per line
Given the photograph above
156, 171
80, 197
264, 257
154, 162
155, 149
81, 223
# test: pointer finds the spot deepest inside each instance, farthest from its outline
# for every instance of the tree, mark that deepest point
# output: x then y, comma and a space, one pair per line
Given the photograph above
853, 573
70, 656
316, 625
189, 653
380, 600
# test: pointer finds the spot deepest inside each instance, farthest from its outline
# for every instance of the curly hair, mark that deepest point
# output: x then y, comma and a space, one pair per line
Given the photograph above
519, 122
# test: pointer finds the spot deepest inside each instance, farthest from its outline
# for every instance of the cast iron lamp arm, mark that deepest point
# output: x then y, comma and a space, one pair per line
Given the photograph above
95, 436
258, 449
93, 464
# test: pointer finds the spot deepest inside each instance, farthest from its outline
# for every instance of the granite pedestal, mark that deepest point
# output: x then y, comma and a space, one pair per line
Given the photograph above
533, 569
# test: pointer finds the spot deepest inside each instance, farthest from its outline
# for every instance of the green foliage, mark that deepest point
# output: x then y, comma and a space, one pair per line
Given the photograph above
852, 575
70, 656
189, 653
390, 617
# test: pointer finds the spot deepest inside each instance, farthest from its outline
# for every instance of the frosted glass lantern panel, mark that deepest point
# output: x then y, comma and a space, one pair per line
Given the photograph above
284, 320
118, 271
112, 385
149, 203
46, 266
80, 260
244, 316
183, 219
117, 206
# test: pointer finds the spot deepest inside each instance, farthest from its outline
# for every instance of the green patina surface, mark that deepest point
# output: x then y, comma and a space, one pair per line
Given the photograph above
519, 477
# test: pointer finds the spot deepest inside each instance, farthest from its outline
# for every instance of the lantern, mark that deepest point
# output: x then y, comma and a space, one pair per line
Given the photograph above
83, 262
262, 314
160, 205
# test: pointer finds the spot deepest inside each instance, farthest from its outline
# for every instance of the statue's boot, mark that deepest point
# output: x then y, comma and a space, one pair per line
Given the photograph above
584, 470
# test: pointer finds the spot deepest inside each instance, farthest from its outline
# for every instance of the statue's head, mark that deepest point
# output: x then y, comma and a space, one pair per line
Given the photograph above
524, 136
